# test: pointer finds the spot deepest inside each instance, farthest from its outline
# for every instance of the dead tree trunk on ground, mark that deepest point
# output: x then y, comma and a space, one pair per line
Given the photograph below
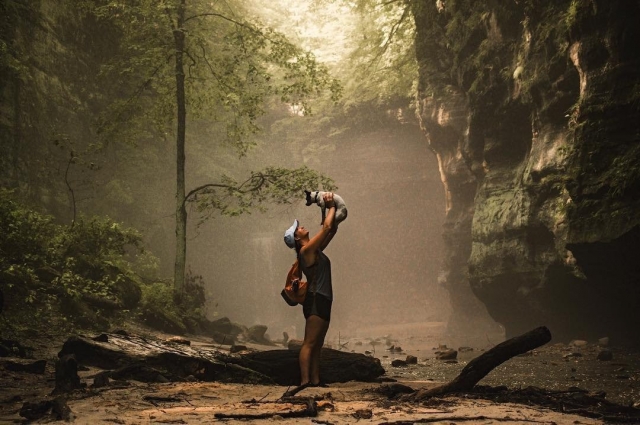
479, 367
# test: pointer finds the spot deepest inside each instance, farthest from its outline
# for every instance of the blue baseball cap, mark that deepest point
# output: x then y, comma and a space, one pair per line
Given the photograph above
290, 235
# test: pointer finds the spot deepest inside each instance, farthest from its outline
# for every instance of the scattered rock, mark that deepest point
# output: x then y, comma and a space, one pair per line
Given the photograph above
603, 342
225, 327
363, 414
57, 409
451, 361
571, 355
35, 410
237, 348
578, 343
222, 338
256, 333
398, 363
449, 354
11, 348
465, 349
392, 390
101, 380
411, 360
397, 349
121, 332
605, 355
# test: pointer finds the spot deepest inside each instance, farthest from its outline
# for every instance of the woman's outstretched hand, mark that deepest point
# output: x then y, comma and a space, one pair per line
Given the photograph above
328, 200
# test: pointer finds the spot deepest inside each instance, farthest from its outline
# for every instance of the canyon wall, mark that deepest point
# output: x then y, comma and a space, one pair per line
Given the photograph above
533, 112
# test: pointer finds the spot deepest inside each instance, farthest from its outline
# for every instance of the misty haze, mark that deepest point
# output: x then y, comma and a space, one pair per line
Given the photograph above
156, 153
385, 257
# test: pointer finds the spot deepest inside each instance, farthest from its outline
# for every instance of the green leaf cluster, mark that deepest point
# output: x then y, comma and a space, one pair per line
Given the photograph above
276, 185
161, 309
53, 268
233, 66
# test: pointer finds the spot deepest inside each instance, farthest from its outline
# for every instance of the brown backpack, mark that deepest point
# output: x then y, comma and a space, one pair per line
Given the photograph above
295, 289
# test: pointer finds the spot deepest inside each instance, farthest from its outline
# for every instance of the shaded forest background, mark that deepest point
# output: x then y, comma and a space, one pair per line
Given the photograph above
90, 118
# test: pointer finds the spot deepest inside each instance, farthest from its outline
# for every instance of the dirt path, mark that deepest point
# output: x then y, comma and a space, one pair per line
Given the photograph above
198, 403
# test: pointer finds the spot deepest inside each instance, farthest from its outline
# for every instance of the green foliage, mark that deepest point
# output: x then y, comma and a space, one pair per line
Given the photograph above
25, 236
48, 266
381, 69
273, 184
162, 309
233, 65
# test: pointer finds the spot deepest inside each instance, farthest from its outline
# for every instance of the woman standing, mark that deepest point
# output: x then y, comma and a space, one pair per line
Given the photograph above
317, 304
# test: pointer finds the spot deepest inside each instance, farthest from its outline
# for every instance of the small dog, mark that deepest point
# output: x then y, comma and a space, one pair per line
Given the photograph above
316, 198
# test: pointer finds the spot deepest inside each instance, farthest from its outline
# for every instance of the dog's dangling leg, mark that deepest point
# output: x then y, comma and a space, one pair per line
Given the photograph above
323, 215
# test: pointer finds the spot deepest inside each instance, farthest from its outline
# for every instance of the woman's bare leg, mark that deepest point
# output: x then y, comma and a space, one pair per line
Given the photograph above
314, 332
315, 355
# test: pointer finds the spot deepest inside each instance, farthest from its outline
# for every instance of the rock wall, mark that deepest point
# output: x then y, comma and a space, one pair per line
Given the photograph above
533, 112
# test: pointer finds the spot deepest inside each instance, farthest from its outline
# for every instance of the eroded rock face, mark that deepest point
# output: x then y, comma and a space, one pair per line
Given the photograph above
533, 112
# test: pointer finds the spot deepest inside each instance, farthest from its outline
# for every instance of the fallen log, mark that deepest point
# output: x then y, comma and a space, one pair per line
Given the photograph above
145, 359
479, 367
133, 357
336, 366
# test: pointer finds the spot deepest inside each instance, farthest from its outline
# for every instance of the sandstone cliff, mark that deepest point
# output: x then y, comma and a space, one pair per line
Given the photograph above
532, 109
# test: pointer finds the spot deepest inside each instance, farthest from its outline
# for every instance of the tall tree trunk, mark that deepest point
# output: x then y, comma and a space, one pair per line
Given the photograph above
181, 211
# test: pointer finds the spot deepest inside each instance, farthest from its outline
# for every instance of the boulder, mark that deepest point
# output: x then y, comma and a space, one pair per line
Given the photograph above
411, 360
578, 343
449, 354
257, 334
605, 355
223, 338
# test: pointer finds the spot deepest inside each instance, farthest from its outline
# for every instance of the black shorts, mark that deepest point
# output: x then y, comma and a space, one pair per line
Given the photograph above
317, 305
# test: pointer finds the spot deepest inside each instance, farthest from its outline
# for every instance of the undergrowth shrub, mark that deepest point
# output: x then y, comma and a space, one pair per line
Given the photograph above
89, 275
160, 308
68, 276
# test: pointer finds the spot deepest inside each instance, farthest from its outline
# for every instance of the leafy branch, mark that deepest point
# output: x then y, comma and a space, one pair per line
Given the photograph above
273, 184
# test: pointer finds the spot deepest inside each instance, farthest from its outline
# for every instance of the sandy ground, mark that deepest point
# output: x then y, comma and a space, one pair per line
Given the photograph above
200, 402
